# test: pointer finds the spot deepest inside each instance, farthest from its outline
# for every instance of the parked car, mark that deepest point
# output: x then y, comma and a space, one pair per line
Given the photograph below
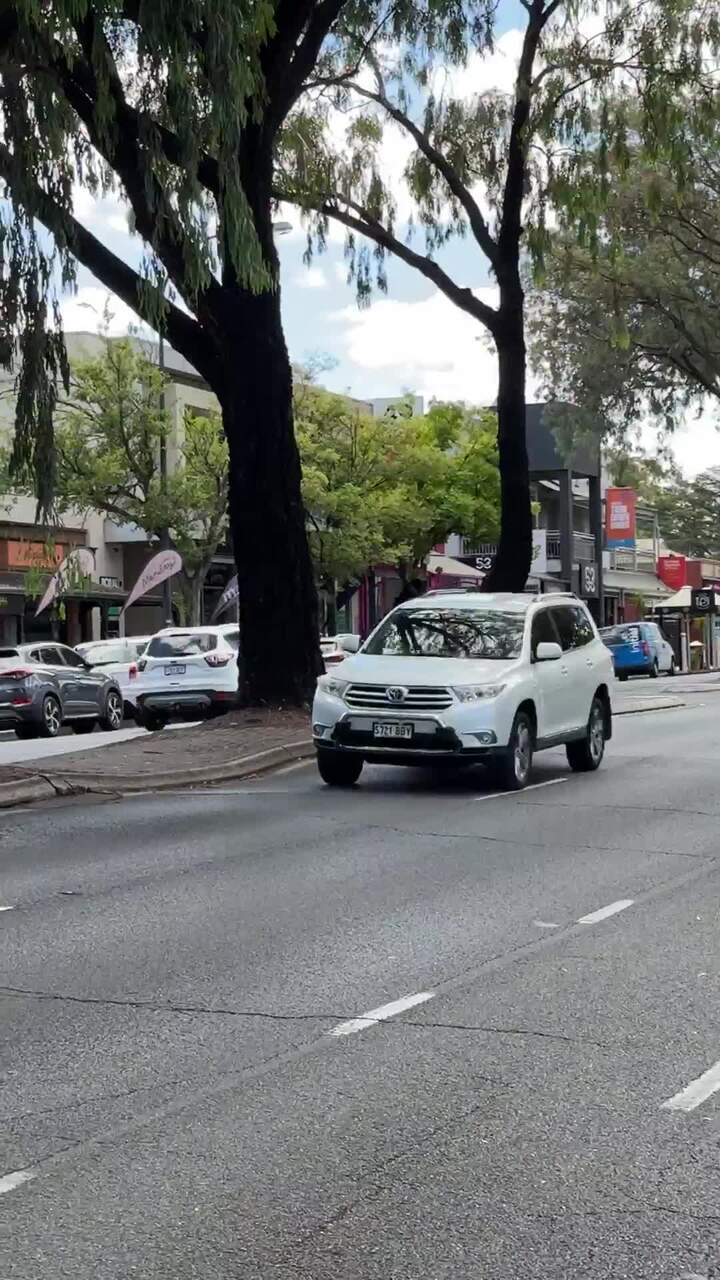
467, 678
639, 649
335, 649
45, 686
185, 672
119, 659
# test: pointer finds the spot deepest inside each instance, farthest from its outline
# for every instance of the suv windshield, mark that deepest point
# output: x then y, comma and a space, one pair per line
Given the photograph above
449, 633
181, 646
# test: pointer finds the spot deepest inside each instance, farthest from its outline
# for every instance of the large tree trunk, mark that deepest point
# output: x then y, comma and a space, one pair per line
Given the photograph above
277, 595
514, 554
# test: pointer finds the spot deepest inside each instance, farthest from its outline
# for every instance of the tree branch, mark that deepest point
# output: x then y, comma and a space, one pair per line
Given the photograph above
359, 221
478, 225
289, 58
183, 331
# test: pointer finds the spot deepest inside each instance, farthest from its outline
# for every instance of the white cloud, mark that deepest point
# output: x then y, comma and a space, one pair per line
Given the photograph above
696, 445
311, 278
85, 311
430, 347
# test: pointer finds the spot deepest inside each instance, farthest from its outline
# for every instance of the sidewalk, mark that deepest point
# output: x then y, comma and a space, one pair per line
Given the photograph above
239, 744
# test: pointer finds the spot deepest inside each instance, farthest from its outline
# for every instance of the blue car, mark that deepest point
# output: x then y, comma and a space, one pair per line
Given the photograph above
639, 649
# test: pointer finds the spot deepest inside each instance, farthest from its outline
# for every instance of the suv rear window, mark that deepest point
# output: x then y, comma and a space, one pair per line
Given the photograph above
182, 646
9, 653
620, 635
449, 633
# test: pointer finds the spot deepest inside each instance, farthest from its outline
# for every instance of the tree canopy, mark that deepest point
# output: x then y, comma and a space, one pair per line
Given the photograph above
387, 490
626, 327
488, 165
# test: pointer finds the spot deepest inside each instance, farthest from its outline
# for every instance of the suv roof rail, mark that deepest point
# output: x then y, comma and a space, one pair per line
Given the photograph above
554, 595
449, 591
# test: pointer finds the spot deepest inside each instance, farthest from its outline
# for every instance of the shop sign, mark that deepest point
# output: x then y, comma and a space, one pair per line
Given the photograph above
16, 554
620, 517
702, 601
589, 580
672, 570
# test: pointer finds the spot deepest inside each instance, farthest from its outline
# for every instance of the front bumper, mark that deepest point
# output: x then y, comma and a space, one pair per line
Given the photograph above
474, 732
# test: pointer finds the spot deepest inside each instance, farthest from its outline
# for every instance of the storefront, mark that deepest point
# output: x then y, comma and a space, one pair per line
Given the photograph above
89, 613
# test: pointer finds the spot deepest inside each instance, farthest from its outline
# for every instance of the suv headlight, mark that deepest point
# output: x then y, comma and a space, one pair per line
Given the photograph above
330, 684
477, 692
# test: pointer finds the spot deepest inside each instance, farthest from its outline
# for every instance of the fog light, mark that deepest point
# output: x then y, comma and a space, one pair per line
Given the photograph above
319, 729
487, 738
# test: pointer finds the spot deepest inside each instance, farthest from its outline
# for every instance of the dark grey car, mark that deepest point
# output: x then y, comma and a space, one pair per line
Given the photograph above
44, 686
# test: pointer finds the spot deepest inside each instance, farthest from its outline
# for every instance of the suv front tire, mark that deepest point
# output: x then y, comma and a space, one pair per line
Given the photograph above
511, 768
586, 755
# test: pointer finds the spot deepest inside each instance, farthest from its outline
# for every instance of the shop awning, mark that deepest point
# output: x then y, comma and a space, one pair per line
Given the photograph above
681, 600
449, 567
637, 582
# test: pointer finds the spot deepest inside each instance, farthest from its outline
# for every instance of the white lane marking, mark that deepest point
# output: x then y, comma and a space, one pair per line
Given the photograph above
385, 1011
696, 1092
534, 786
545, 924
603, 912
2, 908
13, 1180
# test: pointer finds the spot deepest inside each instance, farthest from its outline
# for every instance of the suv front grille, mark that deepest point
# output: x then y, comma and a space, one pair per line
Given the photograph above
374, 697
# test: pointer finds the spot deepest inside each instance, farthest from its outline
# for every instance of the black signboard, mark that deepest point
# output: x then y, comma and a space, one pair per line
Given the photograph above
702, 600
483, 563
589, 580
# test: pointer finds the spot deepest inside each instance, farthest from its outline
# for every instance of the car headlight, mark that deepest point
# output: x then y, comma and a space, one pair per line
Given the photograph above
330, 684
477, 692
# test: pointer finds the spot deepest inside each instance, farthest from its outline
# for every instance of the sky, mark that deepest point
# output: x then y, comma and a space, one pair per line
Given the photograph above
411, 339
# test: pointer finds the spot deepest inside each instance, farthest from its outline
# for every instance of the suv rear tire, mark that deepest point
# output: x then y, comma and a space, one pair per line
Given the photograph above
151, 720
511, 768
338, 770
51, 722
586, 755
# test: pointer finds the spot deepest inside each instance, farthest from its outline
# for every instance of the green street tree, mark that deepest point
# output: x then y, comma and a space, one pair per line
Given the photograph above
626, 326
689, 513
177, 105
108, 436
387, 490
488, 167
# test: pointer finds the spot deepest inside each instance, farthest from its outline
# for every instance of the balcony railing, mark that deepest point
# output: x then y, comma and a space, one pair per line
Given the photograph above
631, 559
583, 547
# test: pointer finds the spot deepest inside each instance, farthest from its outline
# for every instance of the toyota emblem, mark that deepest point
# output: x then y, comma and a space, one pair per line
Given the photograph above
396, 694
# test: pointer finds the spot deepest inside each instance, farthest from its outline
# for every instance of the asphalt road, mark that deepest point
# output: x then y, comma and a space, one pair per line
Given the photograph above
189, 1088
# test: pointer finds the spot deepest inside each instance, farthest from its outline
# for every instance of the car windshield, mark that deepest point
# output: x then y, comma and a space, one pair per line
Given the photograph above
97, 655
620, 635
182, 646
449, 633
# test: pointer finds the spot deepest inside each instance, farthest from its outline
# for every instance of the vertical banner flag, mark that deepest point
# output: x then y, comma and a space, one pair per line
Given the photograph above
81, 560
162, 566
228, 597
620, 517
672, 570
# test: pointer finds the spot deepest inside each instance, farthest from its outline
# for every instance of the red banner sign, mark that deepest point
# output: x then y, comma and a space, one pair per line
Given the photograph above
620, 517
672, 570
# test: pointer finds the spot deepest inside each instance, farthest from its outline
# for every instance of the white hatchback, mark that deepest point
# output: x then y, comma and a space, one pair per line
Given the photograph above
119, 658
186, 672
469, 678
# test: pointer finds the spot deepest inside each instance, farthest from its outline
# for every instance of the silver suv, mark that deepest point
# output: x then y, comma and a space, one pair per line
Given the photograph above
46, 685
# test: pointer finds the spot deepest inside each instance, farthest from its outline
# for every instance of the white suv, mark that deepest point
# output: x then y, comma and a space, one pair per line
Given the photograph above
186, 672
469, 677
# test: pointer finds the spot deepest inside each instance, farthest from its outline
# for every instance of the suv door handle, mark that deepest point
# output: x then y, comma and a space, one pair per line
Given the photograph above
563, 671
590, 662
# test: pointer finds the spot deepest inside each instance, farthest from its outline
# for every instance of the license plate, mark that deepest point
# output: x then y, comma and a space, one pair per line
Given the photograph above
393, 729
178, 670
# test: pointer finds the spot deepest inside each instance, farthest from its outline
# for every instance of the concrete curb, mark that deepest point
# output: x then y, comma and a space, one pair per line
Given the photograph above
638, 711
47, 786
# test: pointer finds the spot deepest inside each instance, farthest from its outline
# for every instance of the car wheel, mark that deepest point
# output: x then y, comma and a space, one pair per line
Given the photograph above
654, 670
51, 722
83, 726
586, 755
26, 731
673, 668
112, 716
151, 721
622, 677
512, 768
339, 770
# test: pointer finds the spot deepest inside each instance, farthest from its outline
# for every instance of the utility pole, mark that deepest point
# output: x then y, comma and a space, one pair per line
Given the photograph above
164, 532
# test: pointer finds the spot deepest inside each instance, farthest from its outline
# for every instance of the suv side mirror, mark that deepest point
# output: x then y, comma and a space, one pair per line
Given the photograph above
548, 651
349, 643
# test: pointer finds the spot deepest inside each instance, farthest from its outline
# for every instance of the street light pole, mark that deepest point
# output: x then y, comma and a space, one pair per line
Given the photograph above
164, 532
